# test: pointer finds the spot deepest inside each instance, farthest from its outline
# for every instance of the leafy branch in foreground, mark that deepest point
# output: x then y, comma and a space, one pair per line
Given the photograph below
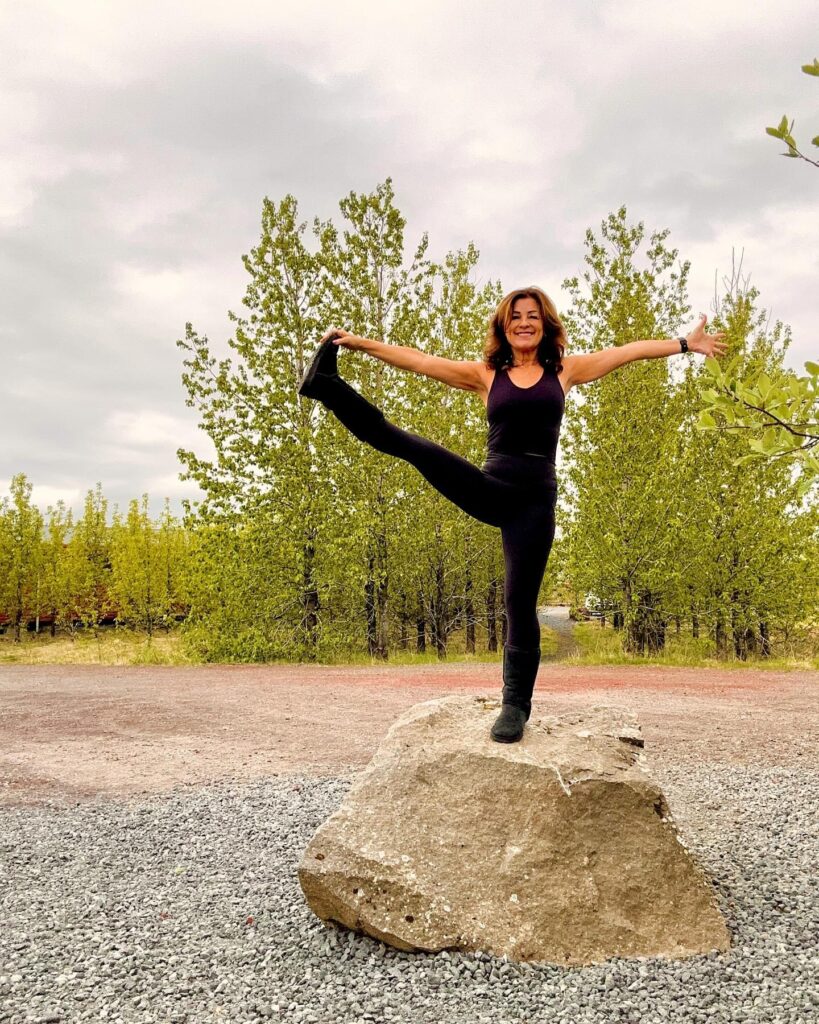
783, 129
786, 410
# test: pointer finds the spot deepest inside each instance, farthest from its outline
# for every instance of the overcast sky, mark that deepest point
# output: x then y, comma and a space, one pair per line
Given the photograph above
139, 139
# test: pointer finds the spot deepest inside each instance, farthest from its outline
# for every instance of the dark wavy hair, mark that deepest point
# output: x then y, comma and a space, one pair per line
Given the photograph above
497, 352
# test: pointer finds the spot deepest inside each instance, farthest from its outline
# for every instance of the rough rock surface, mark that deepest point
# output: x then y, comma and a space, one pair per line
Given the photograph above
559, 848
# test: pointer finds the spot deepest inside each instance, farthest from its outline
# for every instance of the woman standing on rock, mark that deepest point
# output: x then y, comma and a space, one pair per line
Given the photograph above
523, 380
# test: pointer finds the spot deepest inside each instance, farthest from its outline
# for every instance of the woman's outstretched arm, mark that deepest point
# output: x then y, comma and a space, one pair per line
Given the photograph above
458, 373
397, 355
585, 368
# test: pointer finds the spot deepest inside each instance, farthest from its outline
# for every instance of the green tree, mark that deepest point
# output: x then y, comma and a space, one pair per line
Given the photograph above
266, 489
380, 298
144, 564
58, 592
622, 441
21, 548
748, 573
304, 532
782, 413
89, 561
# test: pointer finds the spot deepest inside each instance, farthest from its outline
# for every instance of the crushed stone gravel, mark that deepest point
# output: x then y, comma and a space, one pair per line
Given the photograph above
186, 907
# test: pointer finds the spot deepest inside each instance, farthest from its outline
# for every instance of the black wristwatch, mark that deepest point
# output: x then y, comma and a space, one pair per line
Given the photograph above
683, 344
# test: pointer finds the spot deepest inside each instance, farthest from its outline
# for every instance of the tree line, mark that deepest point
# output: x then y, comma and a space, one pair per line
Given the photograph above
61, 573
307, 543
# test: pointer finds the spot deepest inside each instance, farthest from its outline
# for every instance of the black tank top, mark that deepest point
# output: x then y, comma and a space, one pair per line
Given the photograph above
525, 421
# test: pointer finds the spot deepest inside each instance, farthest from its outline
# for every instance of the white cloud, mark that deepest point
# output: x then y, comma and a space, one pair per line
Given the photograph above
148, 428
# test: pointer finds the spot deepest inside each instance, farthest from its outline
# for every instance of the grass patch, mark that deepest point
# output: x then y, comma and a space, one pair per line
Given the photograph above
595, 646
598, 645
116, 646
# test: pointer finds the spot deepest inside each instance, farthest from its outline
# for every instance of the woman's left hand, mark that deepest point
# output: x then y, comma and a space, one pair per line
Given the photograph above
344, 338
706, 344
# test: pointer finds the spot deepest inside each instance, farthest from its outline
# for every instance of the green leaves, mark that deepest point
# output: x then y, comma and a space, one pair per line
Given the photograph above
784, 129
782, 408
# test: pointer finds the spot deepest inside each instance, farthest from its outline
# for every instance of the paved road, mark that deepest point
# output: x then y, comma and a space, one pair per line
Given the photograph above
556, 617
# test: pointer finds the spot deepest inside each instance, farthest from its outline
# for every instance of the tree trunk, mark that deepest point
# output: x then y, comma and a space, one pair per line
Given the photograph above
420, 636
617, 620
18, 612
744, 642
309, 596
695, 619
764, 640
470, 615
491, 616
369, 605
382, 592
438, 616
647, 628
720, 636
719, 630
403, 621
737, 629
628, 625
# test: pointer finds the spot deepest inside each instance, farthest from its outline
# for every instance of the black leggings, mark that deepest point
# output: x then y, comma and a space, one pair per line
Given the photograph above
516, 493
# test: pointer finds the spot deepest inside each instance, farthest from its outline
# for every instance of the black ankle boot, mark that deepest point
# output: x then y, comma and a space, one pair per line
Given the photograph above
324, 364
520, 667
508, 727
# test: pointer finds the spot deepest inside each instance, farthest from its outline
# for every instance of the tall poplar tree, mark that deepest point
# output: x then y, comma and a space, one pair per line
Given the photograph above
145, 569
265, 492
21, 528
749, 548
58, 585
621, 436
377, 296
89, 559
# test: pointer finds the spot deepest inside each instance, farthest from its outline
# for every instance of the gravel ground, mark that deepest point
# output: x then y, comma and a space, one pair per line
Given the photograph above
186, 907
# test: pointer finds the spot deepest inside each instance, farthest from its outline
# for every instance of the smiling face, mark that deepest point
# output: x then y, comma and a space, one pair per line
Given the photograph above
525, 330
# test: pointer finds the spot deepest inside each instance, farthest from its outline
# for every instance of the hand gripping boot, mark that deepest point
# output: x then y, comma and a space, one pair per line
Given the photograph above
322, 382
520, 667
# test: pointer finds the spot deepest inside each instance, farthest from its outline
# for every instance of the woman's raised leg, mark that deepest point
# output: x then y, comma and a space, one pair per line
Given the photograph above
467, 486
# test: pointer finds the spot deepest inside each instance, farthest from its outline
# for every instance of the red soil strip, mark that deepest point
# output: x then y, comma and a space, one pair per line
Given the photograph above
70, 733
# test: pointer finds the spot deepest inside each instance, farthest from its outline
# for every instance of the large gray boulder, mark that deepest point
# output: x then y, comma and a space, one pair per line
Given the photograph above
559, 848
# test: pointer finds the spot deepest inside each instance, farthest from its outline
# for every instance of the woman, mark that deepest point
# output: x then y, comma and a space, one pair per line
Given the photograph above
523, 380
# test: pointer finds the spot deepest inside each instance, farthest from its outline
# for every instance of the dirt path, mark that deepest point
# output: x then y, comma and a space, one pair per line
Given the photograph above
70, 733
556, 617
